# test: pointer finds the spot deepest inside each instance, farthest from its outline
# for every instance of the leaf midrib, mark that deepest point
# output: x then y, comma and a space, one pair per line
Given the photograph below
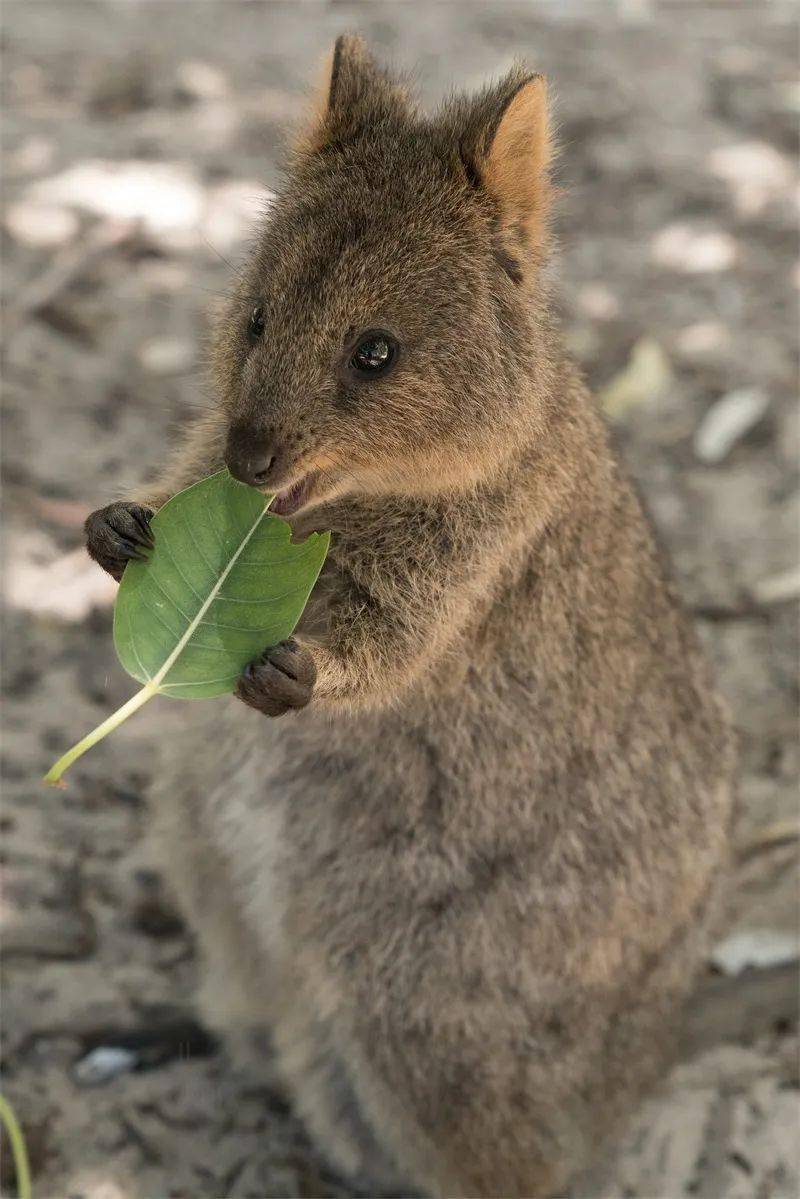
164, 670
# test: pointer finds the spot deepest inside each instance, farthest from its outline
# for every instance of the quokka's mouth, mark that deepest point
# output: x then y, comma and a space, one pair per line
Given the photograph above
293, 498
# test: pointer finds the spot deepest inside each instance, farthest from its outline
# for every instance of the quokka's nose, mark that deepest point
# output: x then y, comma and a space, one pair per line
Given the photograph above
249, 459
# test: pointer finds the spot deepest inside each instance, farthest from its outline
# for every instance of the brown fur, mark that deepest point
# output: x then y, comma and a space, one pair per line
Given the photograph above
467, 886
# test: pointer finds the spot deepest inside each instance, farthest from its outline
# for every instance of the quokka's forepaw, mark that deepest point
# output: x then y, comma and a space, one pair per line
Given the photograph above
118, 533
281, 680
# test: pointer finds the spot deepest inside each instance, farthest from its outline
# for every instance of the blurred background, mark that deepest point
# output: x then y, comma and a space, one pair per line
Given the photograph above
140, 140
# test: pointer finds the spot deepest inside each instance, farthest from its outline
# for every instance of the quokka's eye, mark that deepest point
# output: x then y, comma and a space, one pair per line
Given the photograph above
255, 326
374, 354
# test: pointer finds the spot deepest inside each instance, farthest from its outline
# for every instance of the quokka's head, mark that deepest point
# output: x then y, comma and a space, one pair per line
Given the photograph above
387, 335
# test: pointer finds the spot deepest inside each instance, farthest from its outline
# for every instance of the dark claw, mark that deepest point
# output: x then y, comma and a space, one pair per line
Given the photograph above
281, 680
133, 549
117, 534
296, 663
142, 518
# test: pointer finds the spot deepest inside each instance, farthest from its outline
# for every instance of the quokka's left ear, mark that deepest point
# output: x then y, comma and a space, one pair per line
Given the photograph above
506, 149
354, 91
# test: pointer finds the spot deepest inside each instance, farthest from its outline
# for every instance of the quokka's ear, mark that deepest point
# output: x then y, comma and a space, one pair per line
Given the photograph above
354, 91
506, 150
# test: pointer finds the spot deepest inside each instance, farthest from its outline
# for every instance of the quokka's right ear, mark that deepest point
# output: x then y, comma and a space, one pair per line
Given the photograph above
354, 91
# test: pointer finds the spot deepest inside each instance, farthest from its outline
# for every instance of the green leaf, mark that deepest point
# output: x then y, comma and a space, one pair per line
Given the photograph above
224, 582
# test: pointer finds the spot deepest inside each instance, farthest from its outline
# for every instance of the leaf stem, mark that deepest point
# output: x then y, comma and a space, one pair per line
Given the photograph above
19, 1152
136, 701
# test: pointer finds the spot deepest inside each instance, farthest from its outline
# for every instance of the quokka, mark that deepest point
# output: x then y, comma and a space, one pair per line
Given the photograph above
466, 881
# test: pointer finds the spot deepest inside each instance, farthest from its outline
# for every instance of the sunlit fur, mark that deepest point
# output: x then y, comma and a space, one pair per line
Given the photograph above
467, 887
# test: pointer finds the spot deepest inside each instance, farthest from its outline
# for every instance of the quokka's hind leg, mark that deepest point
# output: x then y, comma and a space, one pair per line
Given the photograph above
322, 1094
234, 993
236, 982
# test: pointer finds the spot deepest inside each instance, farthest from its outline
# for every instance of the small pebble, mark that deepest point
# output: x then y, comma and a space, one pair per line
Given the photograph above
42, 225
756, 949
705, 337
756, 173
694, 251
598, 302
745, 159
727, 422
777, 589
645, 377
166, 355
201, 81
103, 1064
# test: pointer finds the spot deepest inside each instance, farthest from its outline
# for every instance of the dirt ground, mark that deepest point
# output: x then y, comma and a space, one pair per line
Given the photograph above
138, 140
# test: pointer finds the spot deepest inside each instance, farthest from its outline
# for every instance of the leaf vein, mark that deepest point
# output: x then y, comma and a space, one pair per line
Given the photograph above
228, 678
198, 619
214, 570
139, 661
183, 578
144, 598
268, 599
153, 578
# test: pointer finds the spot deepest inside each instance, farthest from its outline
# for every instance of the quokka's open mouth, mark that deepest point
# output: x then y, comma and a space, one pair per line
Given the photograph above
293, 498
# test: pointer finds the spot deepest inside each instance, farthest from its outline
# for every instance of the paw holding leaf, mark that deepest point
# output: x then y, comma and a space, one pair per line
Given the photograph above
212, 546
117, 534
281, 680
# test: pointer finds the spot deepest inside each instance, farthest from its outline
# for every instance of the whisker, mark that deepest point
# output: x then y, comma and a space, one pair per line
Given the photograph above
221, 256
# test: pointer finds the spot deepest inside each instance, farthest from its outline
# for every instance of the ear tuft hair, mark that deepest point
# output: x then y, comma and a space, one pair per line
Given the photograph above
355, 92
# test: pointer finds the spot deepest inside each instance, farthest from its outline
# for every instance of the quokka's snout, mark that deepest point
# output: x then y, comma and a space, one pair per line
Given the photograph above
256, 456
